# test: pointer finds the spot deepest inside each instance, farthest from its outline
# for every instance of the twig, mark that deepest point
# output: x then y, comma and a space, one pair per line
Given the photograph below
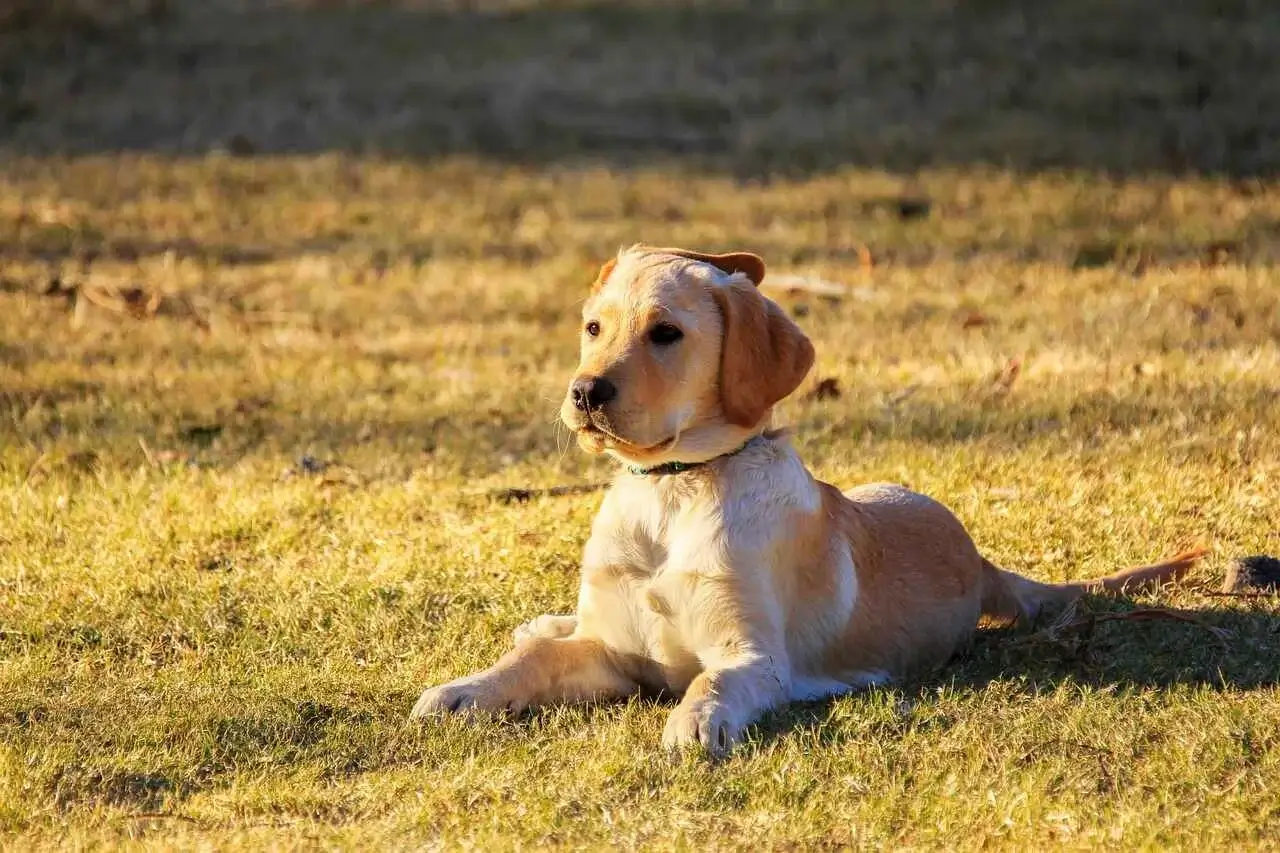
146, 451
38, 468
1073, 620
170, 816
1152, 614
508, 496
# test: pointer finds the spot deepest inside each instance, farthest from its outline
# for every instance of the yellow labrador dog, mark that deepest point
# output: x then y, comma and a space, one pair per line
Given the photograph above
718, 567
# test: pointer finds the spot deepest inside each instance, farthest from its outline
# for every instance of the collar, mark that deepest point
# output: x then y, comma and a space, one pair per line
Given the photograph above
667, 468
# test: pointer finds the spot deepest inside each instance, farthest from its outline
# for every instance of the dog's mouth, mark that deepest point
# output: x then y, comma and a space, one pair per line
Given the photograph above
597, 432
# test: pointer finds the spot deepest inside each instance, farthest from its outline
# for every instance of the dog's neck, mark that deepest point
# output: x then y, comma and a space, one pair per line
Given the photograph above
667, 469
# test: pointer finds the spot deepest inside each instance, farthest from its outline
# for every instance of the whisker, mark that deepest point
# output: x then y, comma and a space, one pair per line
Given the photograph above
561, 429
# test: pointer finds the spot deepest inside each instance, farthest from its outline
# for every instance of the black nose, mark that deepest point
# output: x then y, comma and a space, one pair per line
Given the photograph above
592, 392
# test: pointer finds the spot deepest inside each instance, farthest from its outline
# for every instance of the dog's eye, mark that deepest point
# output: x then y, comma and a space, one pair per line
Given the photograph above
593, 328
665, 333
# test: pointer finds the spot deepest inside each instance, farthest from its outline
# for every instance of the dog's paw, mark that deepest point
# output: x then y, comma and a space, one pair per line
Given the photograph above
705, 723
472, 695
548, 627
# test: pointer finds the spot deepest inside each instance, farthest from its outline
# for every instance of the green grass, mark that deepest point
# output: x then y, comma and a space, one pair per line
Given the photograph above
206, 643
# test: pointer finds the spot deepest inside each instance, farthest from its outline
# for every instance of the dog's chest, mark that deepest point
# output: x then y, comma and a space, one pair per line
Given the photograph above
637, 577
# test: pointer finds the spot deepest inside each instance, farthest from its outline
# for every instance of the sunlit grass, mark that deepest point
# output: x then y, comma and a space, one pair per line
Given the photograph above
258, 415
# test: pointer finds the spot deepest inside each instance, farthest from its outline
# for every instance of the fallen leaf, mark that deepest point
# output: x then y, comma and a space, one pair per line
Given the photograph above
1144, 368
311, 465
1008, 375
913, 208
202, 434
1093, 255
252, 405
826, 389
901, 396
1219, 252
240, 145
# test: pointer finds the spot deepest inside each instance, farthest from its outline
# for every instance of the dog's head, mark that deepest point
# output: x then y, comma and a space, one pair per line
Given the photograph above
682, 357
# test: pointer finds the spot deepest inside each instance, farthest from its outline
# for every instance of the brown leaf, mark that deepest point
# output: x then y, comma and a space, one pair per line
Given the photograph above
139, 303
1094, 255
1219, 252
39, 469
974, 320
252, 405
202, 434
56, 285
1133, 259
240, 145
1008, 375
83, 460
901, 396
340, 475
826, 389
916, 207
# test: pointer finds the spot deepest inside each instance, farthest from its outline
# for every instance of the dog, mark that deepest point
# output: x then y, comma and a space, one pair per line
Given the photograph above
718, 568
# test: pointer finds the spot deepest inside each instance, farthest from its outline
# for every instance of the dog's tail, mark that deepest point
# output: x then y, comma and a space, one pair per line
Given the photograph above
1009, 598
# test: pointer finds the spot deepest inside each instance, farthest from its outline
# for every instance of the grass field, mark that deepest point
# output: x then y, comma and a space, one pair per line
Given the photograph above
289, 296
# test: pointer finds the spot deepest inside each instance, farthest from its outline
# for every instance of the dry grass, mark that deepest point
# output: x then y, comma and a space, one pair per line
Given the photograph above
252, 406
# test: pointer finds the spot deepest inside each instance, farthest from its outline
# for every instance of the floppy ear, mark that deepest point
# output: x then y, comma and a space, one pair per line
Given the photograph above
765, 356
729, 263
603, 275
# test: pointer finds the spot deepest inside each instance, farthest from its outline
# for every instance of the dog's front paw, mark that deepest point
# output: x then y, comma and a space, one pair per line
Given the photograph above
474, 694
704, 723
546, 626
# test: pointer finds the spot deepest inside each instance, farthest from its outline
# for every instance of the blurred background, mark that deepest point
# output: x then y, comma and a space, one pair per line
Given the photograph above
748, 88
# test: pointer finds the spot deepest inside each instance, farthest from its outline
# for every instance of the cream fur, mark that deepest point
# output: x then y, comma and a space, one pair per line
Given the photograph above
745, 583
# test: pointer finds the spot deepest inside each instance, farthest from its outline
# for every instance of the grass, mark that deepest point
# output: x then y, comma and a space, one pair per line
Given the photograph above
258, 410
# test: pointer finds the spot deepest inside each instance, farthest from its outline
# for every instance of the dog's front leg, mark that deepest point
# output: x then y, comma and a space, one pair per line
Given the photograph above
539, 671
723, 701
729, 621
549, 625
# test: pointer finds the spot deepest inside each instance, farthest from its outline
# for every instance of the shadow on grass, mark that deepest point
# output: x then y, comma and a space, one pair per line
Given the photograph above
1133, 654
748, 88
352, 731
1106, 656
